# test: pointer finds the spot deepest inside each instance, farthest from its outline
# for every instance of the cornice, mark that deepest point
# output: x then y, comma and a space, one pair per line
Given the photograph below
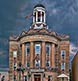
39, 32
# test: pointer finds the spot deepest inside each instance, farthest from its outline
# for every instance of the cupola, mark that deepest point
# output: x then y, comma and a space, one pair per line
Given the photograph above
39, 17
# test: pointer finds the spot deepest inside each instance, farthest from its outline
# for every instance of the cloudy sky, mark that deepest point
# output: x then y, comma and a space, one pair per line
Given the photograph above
62, 17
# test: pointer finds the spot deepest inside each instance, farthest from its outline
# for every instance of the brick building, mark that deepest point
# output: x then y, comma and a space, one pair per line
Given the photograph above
75, 68
39, 54
4, 74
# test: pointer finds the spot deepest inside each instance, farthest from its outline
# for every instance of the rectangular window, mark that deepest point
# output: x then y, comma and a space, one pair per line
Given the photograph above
47, 63
37, 63
37, 48
14, 60
48, 49
63, 53
27, 55
14, 54
62, 66
15, 65
14, 77
49, 78
25, 78
27, 48
28, 64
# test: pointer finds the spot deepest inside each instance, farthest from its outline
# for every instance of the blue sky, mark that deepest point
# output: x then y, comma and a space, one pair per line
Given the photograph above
62, 17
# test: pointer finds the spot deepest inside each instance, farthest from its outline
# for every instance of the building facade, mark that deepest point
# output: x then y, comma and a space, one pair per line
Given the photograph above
39, 54
75, 68
4, 75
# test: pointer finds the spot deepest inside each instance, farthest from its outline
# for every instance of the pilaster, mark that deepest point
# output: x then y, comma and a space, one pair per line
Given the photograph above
23, 52
43, 55
53, 55
31, 54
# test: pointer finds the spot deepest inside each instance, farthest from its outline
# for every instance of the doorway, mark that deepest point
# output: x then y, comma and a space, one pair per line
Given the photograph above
37, 77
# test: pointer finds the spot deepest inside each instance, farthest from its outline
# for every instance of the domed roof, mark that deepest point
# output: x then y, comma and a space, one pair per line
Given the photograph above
39, 5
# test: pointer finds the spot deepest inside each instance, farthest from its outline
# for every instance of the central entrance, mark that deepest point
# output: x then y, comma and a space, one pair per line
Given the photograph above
37, 77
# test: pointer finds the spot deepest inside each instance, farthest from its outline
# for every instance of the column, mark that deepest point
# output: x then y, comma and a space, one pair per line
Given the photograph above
40, 16
43, 55
53, 55
44, 17
23, 52
33, 17
31, 54
36, 16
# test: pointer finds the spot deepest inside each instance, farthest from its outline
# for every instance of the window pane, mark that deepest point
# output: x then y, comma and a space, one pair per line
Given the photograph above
27, 48
37, 63
28, 64
25, 78
63, 53
47, 63
14, 53
49, 78
48, 49
28, 54
37, 48
62, 66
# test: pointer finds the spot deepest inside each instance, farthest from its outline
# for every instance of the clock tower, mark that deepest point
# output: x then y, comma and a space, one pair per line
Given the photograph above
39, 17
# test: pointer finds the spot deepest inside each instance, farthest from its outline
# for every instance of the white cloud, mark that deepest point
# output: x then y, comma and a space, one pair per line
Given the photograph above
73, 49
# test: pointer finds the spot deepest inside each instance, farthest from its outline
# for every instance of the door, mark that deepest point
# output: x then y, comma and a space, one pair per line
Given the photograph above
37, 77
